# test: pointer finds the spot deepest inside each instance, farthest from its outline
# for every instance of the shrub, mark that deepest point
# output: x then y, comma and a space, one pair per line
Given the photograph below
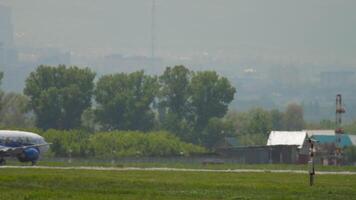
116, 144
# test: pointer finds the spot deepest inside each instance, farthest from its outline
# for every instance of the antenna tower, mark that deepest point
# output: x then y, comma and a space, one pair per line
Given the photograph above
338, 122
153, 29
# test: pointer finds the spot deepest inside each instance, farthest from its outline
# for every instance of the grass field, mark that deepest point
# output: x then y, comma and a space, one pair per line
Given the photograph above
86, 184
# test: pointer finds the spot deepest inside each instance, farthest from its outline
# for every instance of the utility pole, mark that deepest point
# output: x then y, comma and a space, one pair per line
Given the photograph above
311, 161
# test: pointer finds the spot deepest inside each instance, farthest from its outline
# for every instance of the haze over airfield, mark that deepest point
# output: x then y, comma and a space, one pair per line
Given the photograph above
277, 31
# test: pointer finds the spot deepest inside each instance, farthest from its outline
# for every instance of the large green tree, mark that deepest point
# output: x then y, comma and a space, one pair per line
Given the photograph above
294, 117
59, 95
125, 101
174, 105
174, 91
210, 97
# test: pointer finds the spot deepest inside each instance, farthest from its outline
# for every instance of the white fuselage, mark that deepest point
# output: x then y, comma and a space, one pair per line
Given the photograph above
21, 138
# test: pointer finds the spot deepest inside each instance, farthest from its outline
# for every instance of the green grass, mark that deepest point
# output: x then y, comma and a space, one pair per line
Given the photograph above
86, 184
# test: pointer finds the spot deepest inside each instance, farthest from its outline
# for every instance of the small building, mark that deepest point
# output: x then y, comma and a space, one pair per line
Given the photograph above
326, 147
287, 154
291, 138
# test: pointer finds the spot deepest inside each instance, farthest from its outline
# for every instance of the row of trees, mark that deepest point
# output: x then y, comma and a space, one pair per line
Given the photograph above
181, 101
191, 105
254, 126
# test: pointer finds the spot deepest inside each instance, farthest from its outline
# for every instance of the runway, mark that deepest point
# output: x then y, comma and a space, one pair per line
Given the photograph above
179, 170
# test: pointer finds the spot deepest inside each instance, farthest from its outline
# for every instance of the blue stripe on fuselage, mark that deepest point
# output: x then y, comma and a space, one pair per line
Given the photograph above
15, 144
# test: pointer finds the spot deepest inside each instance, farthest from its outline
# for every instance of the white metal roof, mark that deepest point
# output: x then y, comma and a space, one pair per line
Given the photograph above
286, 138
319, 132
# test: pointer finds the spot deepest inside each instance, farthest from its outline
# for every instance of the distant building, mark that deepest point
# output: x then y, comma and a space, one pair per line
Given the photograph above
339, 79
53, 57
119, 63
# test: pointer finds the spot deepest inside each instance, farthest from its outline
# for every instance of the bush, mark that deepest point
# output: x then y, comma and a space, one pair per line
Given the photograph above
116, 144
65, 143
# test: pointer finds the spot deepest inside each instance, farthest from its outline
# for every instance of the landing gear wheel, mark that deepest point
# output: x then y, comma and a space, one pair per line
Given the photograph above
33, 163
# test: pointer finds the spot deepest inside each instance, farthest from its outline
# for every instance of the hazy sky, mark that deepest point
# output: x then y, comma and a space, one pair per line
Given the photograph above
310, 29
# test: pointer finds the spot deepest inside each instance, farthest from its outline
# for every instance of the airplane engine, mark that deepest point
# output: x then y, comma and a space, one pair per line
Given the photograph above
29, 155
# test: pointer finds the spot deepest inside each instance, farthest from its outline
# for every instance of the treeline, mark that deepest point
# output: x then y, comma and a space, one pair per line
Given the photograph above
185, 103
191, 106
253, 127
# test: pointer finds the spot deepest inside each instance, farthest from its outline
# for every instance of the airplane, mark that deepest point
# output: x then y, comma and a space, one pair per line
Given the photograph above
25, 146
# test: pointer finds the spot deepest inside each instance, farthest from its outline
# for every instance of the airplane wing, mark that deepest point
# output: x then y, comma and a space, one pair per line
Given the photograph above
4, 150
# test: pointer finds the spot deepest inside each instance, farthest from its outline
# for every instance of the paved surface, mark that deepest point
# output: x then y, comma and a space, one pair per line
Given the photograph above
178, 170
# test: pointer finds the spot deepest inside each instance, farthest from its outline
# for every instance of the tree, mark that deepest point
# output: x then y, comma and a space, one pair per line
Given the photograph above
215, 130
174, 92
210, 97
174, 105
125, 100
293, 117
259, 122
251, 127
14, 111
59, 95
277, 120
88, 121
